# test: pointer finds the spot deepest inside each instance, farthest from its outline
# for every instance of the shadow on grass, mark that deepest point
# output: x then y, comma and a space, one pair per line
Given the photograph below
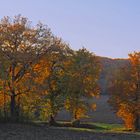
81, 125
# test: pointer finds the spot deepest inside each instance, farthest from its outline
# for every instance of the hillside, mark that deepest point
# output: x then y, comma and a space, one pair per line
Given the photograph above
109, 66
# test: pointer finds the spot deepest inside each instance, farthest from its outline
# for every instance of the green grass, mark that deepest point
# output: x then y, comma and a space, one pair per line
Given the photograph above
103, 127
107, 127
93, 127
100, 127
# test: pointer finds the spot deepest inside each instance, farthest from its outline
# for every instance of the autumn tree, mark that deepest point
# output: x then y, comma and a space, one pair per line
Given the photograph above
125, 92
21, 46
51, 78
81, 82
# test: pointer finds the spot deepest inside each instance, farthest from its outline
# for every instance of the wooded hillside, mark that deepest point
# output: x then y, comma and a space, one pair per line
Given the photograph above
109, 66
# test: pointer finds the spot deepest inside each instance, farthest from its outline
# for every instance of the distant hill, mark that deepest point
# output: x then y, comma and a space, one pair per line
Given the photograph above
109, 66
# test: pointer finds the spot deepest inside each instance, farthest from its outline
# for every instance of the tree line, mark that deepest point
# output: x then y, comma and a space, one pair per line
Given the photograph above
40, 75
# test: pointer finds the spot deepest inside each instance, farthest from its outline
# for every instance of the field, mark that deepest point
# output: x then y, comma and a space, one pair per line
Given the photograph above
103, 113
102, 125
37, 132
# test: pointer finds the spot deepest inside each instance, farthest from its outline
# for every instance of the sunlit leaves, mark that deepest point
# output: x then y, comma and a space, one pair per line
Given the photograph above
41, 74
125, 92
21, 47
81, 82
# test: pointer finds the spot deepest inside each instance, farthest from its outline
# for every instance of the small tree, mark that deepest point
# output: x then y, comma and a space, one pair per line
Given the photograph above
125, 92
50, 79
81, 82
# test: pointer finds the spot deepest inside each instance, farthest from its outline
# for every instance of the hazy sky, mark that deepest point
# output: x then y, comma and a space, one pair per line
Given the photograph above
107, 27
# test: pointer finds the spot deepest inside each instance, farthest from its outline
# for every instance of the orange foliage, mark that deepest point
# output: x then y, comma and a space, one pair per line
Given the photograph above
1, 100
125, 112
80, 113
125, 92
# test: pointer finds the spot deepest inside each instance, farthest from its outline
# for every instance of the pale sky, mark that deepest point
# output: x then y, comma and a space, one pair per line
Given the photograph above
108, 28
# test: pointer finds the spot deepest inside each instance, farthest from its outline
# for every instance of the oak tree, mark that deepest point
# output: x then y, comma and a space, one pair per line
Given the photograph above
21, 45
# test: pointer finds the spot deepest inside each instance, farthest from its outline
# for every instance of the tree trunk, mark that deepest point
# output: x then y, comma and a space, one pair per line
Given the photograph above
76, 121
18, 109
4, 107
52, 120
4, 104
136, 123
13, 108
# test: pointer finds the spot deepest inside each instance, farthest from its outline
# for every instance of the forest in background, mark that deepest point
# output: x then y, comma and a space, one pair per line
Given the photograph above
109, 66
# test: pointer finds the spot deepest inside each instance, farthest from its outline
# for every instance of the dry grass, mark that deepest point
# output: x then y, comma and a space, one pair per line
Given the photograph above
33, 132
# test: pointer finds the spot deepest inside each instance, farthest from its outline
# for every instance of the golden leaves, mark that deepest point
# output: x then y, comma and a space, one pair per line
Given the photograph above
126, 113
125, 92
93, 106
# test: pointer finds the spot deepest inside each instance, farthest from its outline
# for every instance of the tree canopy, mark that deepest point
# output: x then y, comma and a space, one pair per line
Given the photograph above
41, 73
125, 92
